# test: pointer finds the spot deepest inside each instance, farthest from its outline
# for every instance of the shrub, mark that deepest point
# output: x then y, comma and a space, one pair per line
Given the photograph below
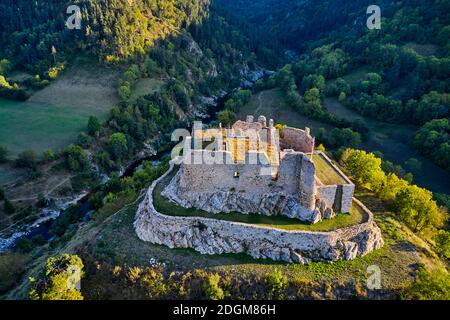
59, 279
212, 288
443, 244
3, 154
276, 284
12, 267
27, 159
429, 285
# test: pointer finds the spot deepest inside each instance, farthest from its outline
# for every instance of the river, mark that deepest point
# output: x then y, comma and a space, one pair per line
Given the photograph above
48, 216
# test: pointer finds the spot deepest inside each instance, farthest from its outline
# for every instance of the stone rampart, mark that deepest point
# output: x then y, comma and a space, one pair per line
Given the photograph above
211, 236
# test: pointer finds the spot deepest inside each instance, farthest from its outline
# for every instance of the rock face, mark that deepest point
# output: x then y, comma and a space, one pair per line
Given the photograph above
210, 236
214, 188
218, 201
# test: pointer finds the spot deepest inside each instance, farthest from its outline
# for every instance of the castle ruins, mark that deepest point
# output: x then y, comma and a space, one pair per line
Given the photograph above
255, 167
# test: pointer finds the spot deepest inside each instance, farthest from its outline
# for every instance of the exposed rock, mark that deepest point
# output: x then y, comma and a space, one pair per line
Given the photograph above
210, 236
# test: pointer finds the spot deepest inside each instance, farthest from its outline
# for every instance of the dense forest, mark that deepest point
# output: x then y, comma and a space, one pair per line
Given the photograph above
201, 49
407, 61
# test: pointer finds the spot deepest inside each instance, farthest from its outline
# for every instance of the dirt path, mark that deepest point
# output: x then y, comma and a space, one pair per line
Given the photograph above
258, 110
47, 192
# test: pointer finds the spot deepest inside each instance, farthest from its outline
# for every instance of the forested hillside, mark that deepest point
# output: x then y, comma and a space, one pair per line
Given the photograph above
398, 74
170, 62
113, 29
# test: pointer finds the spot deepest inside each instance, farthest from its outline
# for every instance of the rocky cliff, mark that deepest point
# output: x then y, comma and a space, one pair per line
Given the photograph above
211, 236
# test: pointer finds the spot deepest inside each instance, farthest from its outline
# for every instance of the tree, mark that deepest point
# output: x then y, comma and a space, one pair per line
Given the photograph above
48, 155
443, 244
118, 146
27, 159
417, 209
59, 280
5, 66
76, 158
3, 154
342, 97
414, 165
391, 186
276, 283
8, 207
93, 126
84, 140
363, 167
226, 117
125, 91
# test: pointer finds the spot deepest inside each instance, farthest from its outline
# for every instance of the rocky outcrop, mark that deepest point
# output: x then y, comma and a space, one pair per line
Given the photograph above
231, 201
211, 236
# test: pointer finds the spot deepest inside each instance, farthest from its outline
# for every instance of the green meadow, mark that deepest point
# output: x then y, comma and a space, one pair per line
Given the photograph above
38, 126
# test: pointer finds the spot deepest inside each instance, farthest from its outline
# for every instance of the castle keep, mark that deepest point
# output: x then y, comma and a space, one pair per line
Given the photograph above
255, 167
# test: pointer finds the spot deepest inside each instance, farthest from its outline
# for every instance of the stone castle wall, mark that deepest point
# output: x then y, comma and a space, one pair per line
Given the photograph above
210, 236
338, 196
247, 188
297, 139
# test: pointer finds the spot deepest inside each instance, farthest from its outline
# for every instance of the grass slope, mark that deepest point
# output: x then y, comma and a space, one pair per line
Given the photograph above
53, 116
164, 206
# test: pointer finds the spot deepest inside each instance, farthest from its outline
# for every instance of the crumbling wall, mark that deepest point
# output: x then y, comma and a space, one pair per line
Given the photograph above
248, 188
211, 236
297, 139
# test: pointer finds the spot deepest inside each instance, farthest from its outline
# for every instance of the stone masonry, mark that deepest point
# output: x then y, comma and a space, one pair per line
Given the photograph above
253, 169
210, 236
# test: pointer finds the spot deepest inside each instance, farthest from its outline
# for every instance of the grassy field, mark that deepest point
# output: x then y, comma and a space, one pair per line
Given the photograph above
164, 206
118, 244
325, 172
146, 86
271, 103
426, 50
53, 116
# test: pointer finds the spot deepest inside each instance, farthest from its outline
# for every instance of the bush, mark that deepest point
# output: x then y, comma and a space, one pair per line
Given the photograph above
12, 267
59, 279
212, 288
429, 285
27, 159
3, 154
9, 207
276, 284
